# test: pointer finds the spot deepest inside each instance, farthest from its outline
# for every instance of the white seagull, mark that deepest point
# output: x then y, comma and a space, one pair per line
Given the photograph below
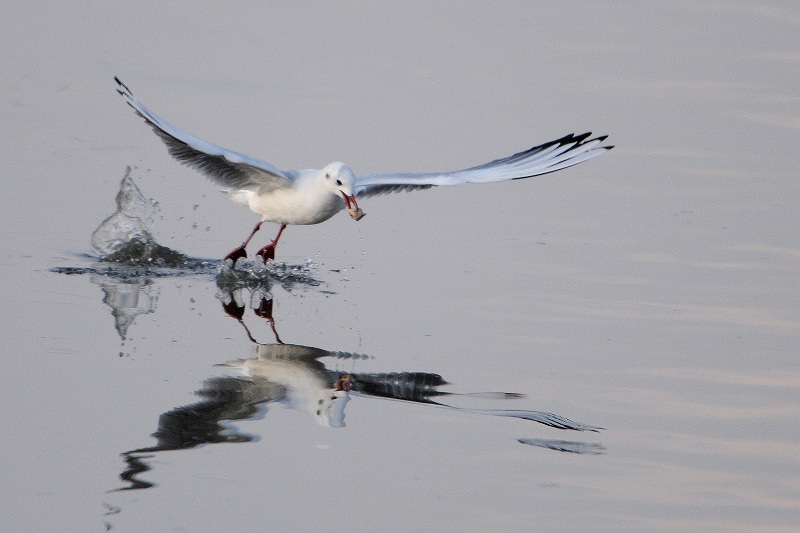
313, 196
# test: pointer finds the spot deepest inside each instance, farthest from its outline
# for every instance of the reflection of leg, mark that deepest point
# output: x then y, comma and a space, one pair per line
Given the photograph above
265, 311
234, 310
268, 252
240, 253
247, 330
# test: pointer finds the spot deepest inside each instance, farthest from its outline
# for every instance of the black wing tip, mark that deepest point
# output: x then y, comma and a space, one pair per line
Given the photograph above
584, 138
578, 139
581, 138
569, 138
575, 139
119, 82
122, 88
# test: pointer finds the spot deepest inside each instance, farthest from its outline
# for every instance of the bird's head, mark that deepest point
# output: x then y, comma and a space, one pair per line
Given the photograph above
339, 178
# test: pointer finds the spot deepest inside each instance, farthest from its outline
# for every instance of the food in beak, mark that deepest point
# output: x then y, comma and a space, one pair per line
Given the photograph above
353, 210
357, 213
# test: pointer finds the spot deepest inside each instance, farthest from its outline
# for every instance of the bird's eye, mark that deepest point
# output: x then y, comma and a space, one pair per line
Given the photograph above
339, 182
327, 176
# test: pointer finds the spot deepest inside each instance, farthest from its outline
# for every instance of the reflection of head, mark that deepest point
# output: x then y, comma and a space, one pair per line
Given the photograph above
330, 408
309, 386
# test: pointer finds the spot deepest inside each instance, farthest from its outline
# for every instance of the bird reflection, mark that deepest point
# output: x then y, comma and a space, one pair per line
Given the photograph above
301, 378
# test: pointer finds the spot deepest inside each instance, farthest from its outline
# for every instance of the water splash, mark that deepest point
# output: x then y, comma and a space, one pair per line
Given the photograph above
255, 274
127, 250
125, 236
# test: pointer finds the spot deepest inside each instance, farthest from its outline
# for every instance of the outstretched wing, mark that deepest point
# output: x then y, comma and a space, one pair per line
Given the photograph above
548, 157
231, 170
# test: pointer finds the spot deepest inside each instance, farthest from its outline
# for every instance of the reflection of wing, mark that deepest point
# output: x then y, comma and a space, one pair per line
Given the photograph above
420, 387
566, 446
548, 419
548, 157
224, 398
294, 352
416, 387
226, 168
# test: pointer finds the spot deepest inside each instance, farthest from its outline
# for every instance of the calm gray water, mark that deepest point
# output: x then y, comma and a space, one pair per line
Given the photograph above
651, 292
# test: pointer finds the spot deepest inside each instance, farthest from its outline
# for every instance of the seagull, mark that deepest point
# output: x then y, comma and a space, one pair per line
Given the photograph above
312, 196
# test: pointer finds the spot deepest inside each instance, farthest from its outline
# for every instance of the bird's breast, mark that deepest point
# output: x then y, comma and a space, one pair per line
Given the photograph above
293, 206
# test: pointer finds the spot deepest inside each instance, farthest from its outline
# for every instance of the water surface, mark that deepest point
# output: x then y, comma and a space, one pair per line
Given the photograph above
650, 292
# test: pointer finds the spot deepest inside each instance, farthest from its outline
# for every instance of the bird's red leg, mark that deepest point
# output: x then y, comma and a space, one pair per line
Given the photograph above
240, 253
268, 252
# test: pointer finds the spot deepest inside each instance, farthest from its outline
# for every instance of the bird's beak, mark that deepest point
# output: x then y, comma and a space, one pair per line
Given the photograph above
352, 207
